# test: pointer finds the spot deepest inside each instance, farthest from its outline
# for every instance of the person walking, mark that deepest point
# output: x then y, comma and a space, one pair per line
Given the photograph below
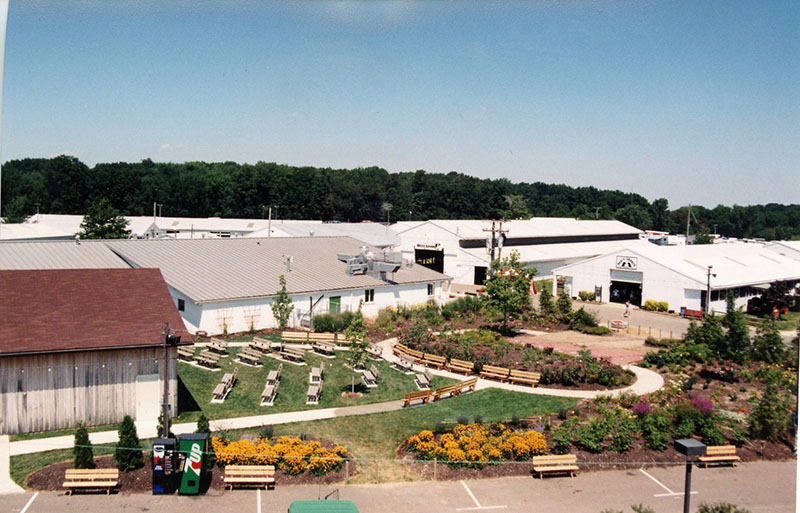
627, 308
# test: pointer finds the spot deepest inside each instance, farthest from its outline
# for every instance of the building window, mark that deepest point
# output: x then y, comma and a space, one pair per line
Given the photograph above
430, 289
369, 296
181, 305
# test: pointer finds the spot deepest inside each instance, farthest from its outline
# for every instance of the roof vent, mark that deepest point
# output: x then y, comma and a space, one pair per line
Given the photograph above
371, 264
287, 261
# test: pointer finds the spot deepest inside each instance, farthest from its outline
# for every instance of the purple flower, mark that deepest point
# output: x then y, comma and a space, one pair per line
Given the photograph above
641, 409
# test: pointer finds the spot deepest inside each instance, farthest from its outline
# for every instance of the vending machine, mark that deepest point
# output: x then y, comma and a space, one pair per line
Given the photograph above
193, 448
164, 465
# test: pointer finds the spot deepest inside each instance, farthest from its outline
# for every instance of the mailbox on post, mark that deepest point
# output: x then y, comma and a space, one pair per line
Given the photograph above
690, 448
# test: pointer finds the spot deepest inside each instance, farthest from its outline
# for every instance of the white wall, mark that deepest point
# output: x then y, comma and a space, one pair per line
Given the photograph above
458, 264
237, 315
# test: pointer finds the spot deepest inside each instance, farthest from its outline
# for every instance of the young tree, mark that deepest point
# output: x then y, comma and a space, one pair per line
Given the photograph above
128, 453
356, 336
564, 305
282, 304
507, 288
102, 221
546, 306
769, 420
82, 449
737, 340
768, 344
202, 424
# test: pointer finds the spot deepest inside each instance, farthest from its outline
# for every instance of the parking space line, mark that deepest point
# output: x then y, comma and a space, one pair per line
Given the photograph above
659, 483
258, 500
477, 504
30, 501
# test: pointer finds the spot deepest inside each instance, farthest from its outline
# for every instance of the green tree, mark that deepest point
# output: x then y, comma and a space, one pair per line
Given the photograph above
356, 336
202, 424
517, 207
564, 305
737, 339
128, 453
507, 289
282, 304
769, 420
709, 332
102, 221
703, 238
546, 306
768, 344
82, 449
634, 215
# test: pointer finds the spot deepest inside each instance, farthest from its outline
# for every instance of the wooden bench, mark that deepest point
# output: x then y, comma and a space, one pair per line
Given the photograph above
324, 348
261, 344
492, 372
269, 393
422, 395
317, 374
455, 389
694, 314
720, 454
186, 354
249, 475
432, 360
424, 380
250, 356
370, 377
555, 463
405, 363
274, 376
291, 353
460, 366
529, 378
414, 355
218, 345
207, 359
330, 338
294, 337
375, 352
224, 387
312, 396
87, 479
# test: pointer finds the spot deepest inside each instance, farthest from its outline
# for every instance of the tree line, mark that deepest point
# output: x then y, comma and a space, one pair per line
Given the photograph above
65, 185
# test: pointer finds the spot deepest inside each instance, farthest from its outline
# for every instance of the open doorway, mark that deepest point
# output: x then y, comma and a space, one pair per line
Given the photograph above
622, 291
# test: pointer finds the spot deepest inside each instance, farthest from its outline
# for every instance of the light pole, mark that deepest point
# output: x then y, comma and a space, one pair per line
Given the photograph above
690, 448
169, 340
709, 274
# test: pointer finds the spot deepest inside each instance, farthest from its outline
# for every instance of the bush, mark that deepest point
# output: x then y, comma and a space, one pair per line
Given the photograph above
655, 306
82, 450
720, 507
291, 455
202, 424
266, 431
333, 323
655, 428
770, 418
128, 453
582, 318
586, 296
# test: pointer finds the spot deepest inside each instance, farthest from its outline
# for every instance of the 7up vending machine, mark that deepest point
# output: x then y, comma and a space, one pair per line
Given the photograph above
193, 448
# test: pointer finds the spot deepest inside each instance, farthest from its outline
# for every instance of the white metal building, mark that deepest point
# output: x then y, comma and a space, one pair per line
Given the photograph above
680, 275
458, 248
228, 284
788, 248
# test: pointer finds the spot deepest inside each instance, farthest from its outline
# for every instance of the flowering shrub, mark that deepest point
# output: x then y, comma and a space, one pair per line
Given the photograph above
642, 409
290, 454
702, 403
475, 445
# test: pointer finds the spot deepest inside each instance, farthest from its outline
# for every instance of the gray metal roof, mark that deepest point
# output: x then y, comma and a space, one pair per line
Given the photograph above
219, 269
58, 255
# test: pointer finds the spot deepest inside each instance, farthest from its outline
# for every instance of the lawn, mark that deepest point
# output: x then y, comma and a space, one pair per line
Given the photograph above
245, 398
786, 322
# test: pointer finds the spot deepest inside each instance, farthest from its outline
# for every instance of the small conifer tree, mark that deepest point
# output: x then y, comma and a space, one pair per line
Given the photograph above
282, 304
128, 453
202, 424
82, 450
564, 305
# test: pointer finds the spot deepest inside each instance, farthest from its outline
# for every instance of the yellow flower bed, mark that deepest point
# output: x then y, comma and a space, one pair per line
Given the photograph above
476, 445
289, 454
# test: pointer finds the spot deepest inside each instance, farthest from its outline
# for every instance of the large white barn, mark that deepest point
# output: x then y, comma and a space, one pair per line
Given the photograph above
680, 275
228, 285
458, 248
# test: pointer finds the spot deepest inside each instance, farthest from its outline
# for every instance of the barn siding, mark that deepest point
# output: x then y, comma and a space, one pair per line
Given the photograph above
51, 391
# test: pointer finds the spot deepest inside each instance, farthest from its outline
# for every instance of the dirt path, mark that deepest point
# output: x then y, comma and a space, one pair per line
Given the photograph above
621, 349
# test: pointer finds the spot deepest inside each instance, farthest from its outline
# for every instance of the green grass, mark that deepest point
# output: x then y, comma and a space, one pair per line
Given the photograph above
544, 284
60, 432
787, 322
245, 398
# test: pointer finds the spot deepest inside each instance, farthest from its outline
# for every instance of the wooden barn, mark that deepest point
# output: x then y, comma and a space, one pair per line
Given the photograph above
83, 345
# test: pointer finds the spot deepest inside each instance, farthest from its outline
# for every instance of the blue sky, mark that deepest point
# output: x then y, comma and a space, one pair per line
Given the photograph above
698, 102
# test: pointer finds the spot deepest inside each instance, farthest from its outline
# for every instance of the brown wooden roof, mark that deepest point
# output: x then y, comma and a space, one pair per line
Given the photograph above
77, 309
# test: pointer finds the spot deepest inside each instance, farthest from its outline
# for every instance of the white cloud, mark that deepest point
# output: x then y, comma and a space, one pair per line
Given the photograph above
169, 146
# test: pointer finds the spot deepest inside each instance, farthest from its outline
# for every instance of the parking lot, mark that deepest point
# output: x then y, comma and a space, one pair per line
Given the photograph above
760, 487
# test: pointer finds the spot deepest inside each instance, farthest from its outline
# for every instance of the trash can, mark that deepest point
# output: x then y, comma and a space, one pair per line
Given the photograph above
683, 311
194, 447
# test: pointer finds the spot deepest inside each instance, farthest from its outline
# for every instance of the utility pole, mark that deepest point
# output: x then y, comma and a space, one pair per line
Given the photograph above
494, 241
3, 22
165, 398
269, 223
688, 218
154, 219
709, 274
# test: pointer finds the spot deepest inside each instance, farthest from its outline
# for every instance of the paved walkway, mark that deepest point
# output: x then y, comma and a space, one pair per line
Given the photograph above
647, 381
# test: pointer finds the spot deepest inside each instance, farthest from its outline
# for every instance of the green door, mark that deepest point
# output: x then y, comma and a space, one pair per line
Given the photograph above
335, 304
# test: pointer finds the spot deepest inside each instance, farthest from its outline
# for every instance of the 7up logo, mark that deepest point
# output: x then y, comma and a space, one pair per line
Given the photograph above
194, 460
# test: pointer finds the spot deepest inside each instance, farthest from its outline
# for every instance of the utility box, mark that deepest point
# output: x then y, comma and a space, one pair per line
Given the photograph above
690, 447
165, 465
193, 447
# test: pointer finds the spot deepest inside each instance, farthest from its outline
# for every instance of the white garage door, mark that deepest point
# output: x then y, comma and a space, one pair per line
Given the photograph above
626, 276
148, 397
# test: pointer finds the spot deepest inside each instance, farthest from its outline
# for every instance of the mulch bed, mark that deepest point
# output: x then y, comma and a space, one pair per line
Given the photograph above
141, 480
